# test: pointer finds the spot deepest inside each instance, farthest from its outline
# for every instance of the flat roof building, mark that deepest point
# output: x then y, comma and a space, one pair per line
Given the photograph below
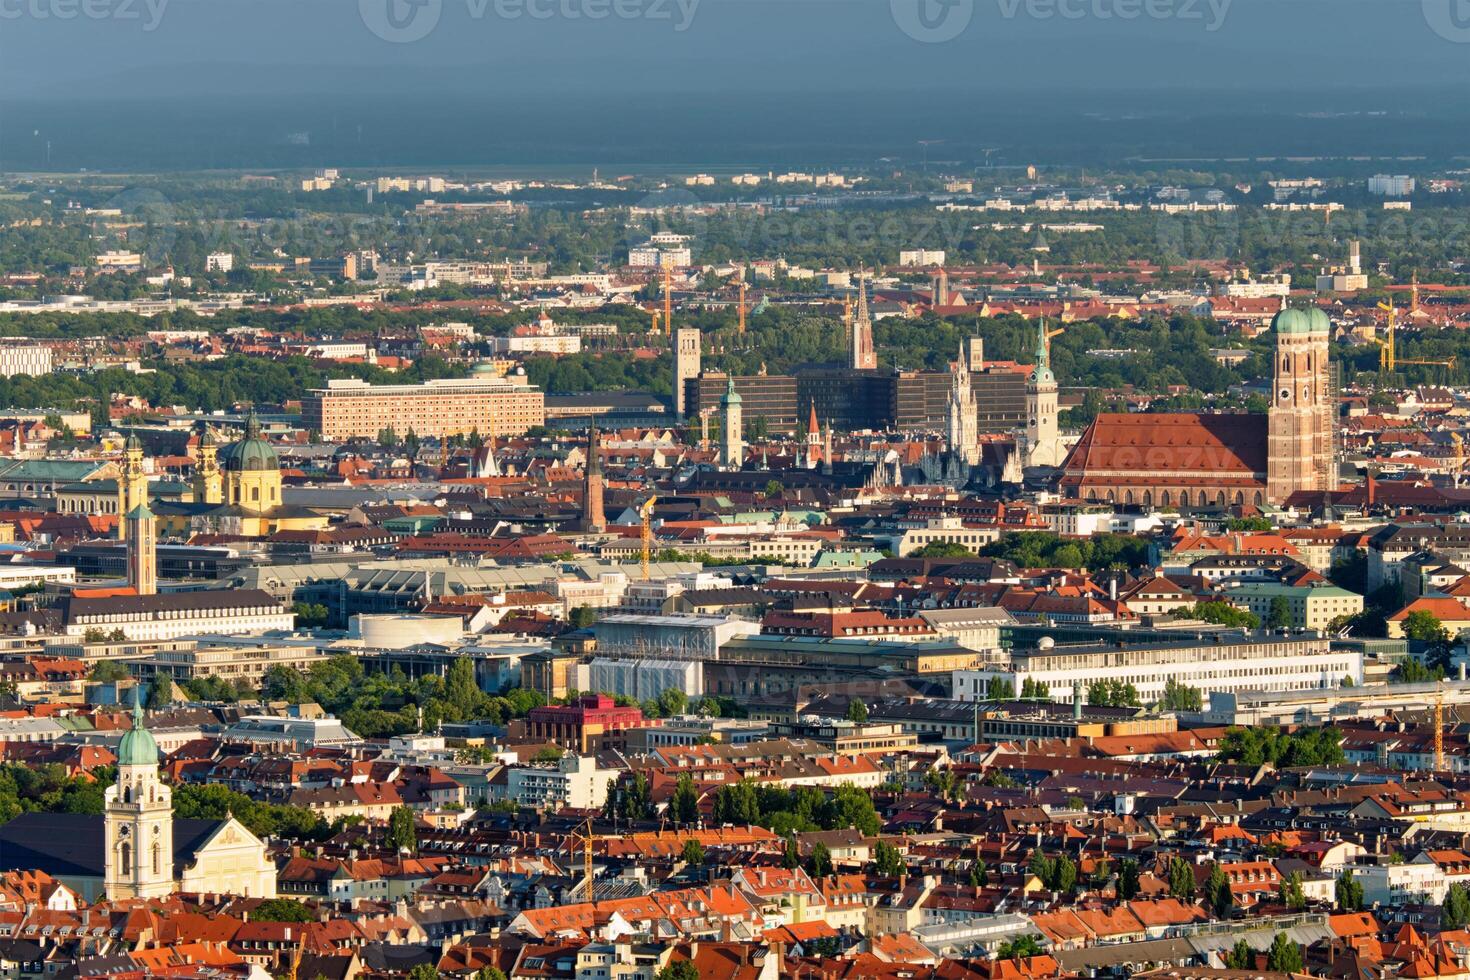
350, 408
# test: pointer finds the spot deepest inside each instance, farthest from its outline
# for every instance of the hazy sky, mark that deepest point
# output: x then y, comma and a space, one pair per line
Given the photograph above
504, 49
628, 83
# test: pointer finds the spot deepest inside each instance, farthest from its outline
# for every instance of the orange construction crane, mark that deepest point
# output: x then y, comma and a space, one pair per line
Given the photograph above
740, 326
1439, 727
668, 301
645, 511
585, 840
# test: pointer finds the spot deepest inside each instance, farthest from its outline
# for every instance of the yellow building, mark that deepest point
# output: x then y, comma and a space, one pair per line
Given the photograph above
237, 490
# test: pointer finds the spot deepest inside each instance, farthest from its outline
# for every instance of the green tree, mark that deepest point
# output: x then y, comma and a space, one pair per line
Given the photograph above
1035, 690
107, 671
1000, 689
490, 973
1285, 955
857, 711
1425, 627
887, 861
583, 617
682, 970
1454, 912
693, 852
819, 865
1181, 879
1279, 617
1217, 892
160, 692
281, 910
1221, 614
1179, 696
1349, 893
1020, 948
685, 802
942, 549
311, 615
1291, 893
402, 830
1128, 883
424, 971
1241, 956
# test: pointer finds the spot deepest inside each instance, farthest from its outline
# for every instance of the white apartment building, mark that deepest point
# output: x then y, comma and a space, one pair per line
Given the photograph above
1400, 185
575, 781
921, 256
219, 262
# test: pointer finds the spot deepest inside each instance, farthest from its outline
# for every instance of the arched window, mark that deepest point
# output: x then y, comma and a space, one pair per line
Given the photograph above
1128, 496
125, 858
1148, 498
1112, 497
1164, 499
1239, 498
1259, 501
1220, 499
157, 859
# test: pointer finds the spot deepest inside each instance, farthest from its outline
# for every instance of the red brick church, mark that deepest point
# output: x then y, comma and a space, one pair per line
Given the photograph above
1213, 459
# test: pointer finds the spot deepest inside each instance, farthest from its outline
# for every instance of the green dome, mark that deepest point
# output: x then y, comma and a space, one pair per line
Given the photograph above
732, 397
251, 454
1301, 321
137, 747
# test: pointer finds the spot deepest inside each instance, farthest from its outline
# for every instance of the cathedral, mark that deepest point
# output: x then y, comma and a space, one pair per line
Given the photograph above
1211, 459
137, 848
236, 489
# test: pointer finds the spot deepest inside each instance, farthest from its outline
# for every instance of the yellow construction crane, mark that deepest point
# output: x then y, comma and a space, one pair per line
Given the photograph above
740, 326
645, 511
1388, 359
585, 840
668, 301
1385, 347
1439, 727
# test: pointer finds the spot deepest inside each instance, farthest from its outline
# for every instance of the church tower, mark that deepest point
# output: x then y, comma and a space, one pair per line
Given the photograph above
139, 820
963, 415
1301, 422
813, 449
132, 488
686, 365
861, 356
142, 548
732, 449
594, 519
1043, 444
208, 484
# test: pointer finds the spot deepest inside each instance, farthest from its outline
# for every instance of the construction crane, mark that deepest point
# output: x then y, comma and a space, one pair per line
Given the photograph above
1439, 726
1459, 442
740, 325
668, 301
1388, 359
584, 840
645, 511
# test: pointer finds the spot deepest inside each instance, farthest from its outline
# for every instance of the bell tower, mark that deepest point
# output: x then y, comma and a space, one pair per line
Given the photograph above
139, 820
1299, 427
132, 488
208, 484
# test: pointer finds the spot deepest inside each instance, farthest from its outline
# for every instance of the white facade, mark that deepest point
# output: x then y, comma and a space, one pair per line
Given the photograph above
29, 359
574, 782
1266, 662
641, 679
921, 256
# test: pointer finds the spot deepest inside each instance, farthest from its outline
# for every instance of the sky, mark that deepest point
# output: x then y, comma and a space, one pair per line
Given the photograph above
819, 72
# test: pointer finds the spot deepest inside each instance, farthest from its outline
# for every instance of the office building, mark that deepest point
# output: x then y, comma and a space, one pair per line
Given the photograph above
349, 408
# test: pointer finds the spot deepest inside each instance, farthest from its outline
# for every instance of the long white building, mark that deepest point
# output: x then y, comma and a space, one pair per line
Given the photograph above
1207, 662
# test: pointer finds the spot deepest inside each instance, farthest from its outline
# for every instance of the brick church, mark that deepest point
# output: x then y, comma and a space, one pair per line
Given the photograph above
1210, 459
